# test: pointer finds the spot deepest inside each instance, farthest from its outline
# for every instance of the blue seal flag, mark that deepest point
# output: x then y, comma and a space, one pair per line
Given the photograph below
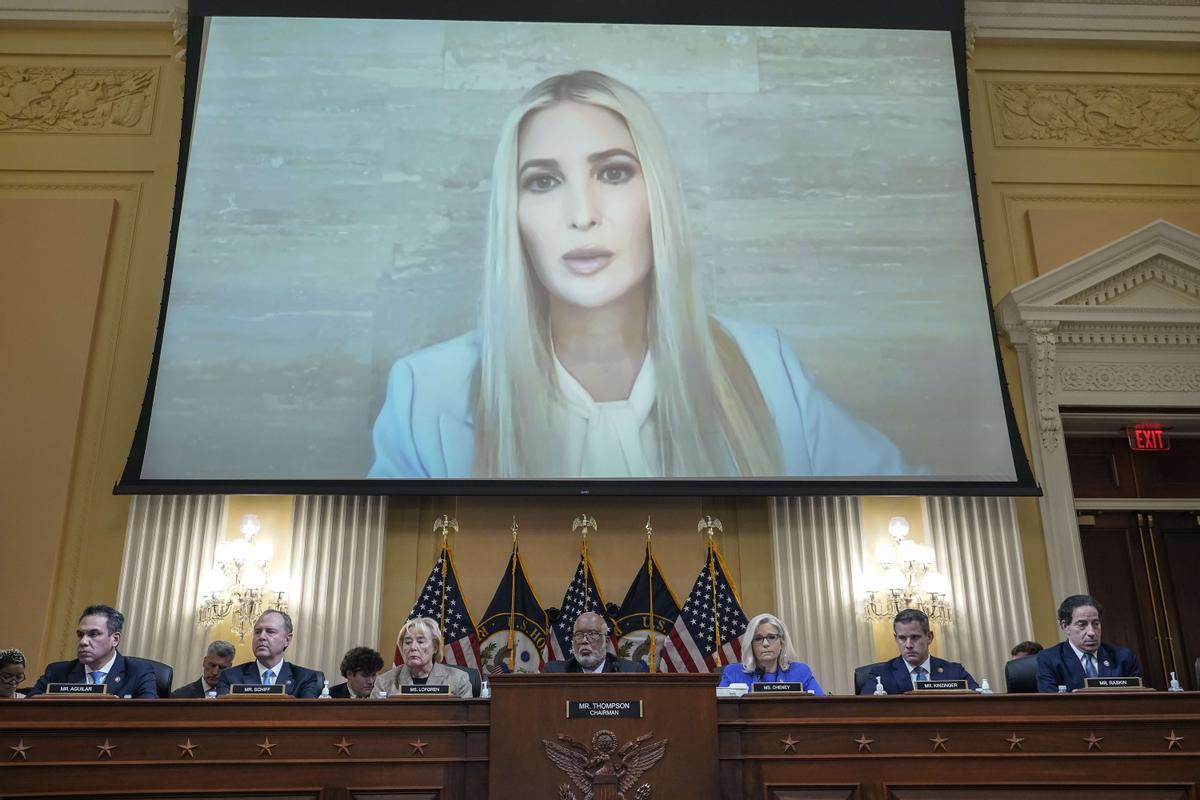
512, 632
647, 615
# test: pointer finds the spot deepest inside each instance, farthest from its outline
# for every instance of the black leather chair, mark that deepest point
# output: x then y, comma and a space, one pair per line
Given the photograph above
863, 674
473, 675
1196, 675
1020, 675
164, 674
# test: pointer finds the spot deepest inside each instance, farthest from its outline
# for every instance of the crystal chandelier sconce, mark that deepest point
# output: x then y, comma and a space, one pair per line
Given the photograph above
907, 579
240, 586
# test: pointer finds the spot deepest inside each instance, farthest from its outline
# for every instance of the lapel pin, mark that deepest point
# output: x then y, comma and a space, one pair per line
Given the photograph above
941, 669
116, 679
1106, 663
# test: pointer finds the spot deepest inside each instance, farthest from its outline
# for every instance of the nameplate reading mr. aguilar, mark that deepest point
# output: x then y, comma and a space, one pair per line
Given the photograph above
588, 709
255, 689
778, 686
76, 688
941, 686
1112, 683
428, 688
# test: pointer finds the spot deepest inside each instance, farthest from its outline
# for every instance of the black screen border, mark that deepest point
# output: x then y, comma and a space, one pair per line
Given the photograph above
933, 15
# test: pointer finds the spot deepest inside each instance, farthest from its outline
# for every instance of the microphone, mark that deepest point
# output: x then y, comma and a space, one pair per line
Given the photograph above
758, 674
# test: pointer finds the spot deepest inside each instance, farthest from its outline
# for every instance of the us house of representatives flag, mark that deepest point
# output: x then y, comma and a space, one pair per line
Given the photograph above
512, 632
442, 600
647, 615
708, 632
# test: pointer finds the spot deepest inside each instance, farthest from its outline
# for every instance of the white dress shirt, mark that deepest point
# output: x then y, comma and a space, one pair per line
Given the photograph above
1080, 656
912, 671
274, 671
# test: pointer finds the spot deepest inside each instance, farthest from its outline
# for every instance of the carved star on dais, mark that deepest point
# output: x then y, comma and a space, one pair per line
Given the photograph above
863, 743
1173, 742
343, 746
21, 749
105, 749
1014, 742
418, 747
1093, 741
187, 749
939, 741
266, 746
789, 743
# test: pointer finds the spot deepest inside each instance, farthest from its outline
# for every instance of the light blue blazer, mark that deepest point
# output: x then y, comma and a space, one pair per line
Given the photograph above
424, 429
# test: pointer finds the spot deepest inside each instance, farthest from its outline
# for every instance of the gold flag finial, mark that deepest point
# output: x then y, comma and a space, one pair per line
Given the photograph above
709, 525
444, 524
649, 529
585, 522
515, 529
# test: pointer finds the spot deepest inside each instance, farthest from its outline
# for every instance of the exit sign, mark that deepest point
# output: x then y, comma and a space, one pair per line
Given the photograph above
1147, 436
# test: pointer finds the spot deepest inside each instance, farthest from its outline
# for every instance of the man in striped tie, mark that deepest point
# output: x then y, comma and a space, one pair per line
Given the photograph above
97, 660
272, 635
1082, 655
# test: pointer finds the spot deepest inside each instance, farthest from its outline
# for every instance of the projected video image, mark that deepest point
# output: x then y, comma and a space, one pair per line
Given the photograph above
547, 251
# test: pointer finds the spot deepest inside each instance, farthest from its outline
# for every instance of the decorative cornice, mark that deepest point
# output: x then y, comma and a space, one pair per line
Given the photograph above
1095, 115
76, 99
1160, 269
81, 12
1045, 380
1169, 21
1118, 377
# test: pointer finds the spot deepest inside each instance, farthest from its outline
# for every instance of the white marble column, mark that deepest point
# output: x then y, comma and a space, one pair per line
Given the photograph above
336, 578
168, 542
978, 547
817, 544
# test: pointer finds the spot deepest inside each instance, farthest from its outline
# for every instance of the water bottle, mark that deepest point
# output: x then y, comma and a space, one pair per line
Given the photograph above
324, 692
1062, 689
485, 691
211, 694
985, 687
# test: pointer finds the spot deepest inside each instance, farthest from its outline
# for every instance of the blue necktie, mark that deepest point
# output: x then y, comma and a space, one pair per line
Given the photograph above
1089, 666
921, 674
269, 677
97, 677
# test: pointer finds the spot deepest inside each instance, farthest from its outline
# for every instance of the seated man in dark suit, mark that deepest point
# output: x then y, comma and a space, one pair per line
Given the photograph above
218, 657
272, 635
1082, 655
359, 667
913, 637
589, 650
97, 660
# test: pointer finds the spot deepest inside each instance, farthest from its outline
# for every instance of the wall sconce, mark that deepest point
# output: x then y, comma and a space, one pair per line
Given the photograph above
240, 586
907, 579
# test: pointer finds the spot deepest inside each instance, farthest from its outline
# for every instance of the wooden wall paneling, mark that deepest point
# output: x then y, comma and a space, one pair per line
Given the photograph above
1176, 565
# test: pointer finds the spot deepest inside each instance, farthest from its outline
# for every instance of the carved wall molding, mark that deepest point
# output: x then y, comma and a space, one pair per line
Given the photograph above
140, 12
1118, 377
1045, 355
77, 99
1141, 21
1130, 335
1160, 268
1098, 115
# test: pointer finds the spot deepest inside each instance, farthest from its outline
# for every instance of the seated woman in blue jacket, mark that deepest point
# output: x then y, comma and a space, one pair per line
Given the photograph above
768, 657
595, 354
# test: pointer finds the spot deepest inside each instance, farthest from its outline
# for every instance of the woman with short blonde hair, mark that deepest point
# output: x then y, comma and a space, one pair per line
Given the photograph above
768, 656
420, 646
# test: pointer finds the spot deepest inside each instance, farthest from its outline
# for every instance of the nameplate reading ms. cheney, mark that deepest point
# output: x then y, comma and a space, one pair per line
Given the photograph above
778, 686
255, 689
76, 688
588, 709
428, 688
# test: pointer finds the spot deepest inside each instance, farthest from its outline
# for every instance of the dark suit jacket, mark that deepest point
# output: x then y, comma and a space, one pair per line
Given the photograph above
193, 689
125, 678
611, 664
342, 690
1059, 666
896, 678
297, 681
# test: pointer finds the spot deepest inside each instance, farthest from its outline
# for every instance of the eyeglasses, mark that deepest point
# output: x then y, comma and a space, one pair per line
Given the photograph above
767, 638
13, 680
587, 636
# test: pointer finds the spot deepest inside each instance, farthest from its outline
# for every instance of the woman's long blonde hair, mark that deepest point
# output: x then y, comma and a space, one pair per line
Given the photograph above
712, 420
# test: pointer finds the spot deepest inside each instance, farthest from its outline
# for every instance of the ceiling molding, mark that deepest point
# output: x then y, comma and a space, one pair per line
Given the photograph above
88, 12
1172, 22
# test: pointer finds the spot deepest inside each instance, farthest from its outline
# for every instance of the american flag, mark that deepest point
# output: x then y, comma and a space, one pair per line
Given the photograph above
708, 632
582, 595
442, 600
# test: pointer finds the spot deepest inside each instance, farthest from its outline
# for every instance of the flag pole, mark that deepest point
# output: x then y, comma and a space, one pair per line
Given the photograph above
585, 522
710, 525
444, 524
512, 602
650, 573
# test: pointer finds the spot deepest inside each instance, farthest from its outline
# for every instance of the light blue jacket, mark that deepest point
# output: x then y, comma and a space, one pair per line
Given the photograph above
424, 429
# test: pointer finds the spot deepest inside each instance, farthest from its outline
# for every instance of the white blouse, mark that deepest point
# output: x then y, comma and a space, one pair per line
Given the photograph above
614, 439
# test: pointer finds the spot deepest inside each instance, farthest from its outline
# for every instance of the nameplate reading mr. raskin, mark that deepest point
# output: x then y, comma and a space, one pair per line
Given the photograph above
256, 689
76, 688
1112, 683
428, 688
941, 686
588, 709
778, 686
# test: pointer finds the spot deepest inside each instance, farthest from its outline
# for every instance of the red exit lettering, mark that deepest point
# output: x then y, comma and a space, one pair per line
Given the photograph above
1147, 437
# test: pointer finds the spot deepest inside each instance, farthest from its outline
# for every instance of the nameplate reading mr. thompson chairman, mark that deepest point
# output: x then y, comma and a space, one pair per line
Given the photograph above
589, 709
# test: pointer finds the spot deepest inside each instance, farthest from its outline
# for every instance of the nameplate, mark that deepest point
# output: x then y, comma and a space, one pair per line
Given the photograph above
71, 689
429, 688
778, 686
256, 690
942, 686
1112, 683
590, 709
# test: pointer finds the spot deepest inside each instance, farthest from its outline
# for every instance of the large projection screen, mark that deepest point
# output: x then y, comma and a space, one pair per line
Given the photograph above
576, 254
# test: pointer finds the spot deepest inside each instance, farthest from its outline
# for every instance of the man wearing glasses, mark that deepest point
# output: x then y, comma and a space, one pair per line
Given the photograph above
589, 649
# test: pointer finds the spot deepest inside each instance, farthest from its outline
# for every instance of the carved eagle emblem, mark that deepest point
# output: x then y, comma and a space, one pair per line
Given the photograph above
604, 763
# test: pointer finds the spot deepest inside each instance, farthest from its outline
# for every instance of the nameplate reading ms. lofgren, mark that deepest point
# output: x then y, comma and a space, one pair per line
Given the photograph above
588, 709
76, 688
255, 689
778, 686
1112, 683
428, 688
941, 686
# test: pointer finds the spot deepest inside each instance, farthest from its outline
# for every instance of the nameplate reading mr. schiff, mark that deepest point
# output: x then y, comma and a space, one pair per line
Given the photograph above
76, 688
429, 688
941, 686
588, 709
1112, 683
256, 690
778, 686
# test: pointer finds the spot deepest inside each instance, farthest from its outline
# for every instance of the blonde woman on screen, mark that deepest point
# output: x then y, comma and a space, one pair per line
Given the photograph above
595, 355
